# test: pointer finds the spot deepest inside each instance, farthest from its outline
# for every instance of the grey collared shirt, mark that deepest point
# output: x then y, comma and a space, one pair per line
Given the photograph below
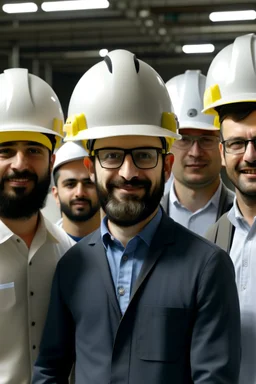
243, 255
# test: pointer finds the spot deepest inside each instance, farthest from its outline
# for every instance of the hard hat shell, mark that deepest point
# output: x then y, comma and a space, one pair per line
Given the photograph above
28, 104
186, 92
68, 152
231, 77
121, 96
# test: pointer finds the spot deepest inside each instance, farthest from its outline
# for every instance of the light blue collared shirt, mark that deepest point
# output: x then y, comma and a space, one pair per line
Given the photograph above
243, 255
126, 262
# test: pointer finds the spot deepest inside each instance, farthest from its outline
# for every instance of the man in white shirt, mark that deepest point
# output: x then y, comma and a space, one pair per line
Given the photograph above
196, 196
74, 192
30, 246
231, 93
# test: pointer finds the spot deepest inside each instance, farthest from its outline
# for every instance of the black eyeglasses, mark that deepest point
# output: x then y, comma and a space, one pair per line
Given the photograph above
204, 142
237, 146
143, 158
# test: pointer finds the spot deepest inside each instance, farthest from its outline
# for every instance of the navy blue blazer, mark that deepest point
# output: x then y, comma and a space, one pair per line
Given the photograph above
182, 325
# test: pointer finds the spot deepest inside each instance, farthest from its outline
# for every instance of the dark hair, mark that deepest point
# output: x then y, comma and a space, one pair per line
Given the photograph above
236, 111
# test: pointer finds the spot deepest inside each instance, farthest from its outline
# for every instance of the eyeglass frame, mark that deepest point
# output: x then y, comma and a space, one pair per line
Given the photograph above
245, 142
95, 153
194, 139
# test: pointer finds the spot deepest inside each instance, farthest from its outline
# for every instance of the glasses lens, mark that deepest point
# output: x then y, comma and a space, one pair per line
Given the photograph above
110, 158
184, 143
235, 146
145, 157
208, 142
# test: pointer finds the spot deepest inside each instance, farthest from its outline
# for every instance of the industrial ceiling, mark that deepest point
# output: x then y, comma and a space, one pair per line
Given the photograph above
63, 45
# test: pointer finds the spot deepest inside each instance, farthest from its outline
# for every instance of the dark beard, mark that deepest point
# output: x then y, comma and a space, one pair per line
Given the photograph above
133, 209
82, 216
24, 205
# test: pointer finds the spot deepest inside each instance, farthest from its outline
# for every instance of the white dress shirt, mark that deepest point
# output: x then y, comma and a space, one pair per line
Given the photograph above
25, 285
198, 221
243, 255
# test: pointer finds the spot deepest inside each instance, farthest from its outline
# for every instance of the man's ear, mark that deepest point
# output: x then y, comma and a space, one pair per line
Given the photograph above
89, 165
55, 195
168, 163
52, 160
223, 160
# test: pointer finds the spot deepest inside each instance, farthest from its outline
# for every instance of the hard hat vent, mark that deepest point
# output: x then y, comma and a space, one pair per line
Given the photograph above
137, 63
109, 63
192, 112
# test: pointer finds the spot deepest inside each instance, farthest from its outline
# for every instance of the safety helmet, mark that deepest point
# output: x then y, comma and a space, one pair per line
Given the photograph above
120, 96
29, 108
186, 92
231, 77
68, 152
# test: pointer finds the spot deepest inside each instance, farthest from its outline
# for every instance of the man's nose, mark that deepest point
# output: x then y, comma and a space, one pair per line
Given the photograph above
128, 169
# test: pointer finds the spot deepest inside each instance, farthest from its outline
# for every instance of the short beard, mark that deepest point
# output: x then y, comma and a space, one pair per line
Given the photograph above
24, 205
81, 216
133, 209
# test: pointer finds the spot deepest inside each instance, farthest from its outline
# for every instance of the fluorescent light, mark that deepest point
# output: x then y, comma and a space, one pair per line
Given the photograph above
73, 5
232, 16
20, 7
198, 48
162, 31
149, 23
144, 13
103, 52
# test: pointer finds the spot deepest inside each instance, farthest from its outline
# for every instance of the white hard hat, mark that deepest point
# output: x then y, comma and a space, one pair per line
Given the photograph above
231, 77
29, 108
186, 92
120, 96
68, 152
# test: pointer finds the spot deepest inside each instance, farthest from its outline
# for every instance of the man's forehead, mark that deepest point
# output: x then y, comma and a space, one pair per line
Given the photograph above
132, 141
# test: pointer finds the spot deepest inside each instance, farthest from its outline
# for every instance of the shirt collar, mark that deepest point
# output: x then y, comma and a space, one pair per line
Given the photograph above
146, 234
44, 227
214, 200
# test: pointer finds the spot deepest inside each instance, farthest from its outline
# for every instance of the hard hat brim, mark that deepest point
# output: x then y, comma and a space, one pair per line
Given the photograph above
197, 125
28, 128
240, 98
123, 130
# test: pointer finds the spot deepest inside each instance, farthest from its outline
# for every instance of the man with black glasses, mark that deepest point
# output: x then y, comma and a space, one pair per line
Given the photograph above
231, 93
142, 299
196, 197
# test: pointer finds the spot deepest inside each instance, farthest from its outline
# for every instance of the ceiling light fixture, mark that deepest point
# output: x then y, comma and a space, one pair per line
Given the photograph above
198, 48
232, 16
20, 8
73, 5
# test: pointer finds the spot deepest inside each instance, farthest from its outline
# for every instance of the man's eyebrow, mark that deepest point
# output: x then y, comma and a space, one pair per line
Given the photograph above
13, 143
76, 180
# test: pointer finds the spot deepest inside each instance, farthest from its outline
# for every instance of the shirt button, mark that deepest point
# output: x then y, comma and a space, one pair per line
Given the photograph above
18, 240
121, 291
34, 347
31, 293
244, 287
33, 323
245, 263
30, 263
125, 257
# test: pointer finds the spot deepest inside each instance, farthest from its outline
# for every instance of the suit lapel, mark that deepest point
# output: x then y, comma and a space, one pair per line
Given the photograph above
164, 235
97, 251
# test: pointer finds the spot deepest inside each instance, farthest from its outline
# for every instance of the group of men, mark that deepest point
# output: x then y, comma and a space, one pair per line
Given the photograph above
137, 297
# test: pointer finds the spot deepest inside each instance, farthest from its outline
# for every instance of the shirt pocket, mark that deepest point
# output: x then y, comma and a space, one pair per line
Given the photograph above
7, 296
164, 334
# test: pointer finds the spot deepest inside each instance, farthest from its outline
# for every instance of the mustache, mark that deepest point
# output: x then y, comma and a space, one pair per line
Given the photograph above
132, 183
20, 175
